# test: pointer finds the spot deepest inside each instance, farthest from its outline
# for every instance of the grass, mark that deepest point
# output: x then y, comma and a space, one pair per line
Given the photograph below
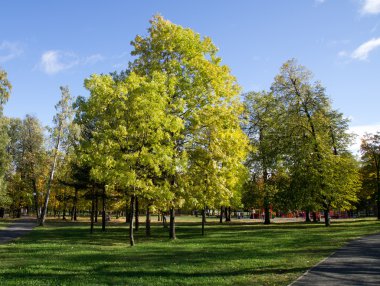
64, 253
3, 224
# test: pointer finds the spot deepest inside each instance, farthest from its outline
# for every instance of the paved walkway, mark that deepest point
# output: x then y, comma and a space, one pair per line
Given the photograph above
357, 263
16, 229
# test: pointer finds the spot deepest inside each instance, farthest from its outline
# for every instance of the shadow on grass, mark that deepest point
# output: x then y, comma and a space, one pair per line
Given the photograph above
67, 251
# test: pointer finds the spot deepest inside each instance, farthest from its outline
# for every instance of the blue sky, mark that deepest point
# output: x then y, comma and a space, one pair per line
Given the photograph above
46, 44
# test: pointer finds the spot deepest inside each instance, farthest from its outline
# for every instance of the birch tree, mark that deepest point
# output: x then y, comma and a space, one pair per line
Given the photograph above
59, 138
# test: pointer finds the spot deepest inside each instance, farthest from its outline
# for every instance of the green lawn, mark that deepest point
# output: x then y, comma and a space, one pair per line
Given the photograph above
4, 224
235, 254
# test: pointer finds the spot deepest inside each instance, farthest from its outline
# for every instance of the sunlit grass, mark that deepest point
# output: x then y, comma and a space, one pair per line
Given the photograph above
3, 224
230, 254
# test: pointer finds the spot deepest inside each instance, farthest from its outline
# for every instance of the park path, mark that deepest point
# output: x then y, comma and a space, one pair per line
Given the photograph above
357, 263
17, 229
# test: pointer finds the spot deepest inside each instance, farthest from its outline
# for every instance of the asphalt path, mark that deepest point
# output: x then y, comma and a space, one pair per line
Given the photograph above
357, 263
17, 229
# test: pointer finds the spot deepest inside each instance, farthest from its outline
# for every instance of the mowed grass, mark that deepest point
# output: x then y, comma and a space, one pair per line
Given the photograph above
3, 224
64, 253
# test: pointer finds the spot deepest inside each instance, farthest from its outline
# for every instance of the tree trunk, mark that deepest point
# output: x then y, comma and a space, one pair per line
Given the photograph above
266, 214
103, 208
147, 224
131, 214
75, 204
137, 213
127, 210
51, 176
35, 195
163, 215
203, 220
307, 216
327, 216
96, 206
266, 198
226, 213
229, 213
172, 224
314, 217
64, 207
92, 209
221, 215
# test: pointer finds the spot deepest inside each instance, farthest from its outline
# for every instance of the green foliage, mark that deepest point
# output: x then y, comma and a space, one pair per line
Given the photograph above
5, 90
168, 128
130, 144
5, 87
4, 142
216, 152
300, 144
27, 150
316, 137
262, 126
370, 149
370, 170
204, 97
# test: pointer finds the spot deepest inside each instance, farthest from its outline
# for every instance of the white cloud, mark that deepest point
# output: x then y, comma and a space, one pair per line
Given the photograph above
93, 59
337, 43
370, 7
318, 2
9, 51
55, 61
343, 54
360, 130
362, 52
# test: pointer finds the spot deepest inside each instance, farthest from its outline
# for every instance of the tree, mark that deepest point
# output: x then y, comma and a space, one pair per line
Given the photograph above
130, 145
370, 149
313, 133
28, 156
76, 177
87, 128
5, 87
216, 151
262, 128
197, 81
59, 135
4, 162
5, 90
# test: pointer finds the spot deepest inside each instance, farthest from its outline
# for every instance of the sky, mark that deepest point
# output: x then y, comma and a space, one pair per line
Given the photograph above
48, 44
